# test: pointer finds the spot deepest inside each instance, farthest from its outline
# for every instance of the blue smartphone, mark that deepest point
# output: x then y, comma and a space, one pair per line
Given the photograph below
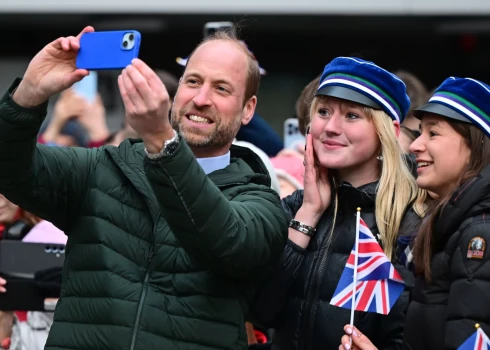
108, 50
87, 87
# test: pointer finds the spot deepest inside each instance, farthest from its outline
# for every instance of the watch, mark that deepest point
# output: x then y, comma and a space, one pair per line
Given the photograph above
168, 149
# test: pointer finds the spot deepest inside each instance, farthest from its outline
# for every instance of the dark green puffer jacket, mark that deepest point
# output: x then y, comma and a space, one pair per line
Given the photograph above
159, 255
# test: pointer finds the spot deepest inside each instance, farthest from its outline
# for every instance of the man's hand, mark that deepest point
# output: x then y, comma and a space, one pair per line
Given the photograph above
147, 104
51, 71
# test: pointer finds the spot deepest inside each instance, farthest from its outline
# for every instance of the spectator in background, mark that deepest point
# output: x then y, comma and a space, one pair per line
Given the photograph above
75, 122
259, 133
289, 168
418, 94
31, 329
303, 104
170, 81
15, 224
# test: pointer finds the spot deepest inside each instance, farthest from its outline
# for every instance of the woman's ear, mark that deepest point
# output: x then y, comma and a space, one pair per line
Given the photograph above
396, 126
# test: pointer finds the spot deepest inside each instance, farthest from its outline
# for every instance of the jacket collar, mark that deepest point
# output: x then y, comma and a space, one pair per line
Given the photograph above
245, 165
351, 198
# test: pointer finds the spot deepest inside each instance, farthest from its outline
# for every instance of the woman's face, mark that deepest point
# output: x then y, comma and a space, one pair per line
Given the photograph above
344, 137
441, 154
8, 210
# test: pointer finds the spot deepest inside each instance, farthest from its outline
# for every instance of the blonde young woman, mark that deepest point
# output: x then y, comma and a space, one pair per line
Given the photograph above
352, 160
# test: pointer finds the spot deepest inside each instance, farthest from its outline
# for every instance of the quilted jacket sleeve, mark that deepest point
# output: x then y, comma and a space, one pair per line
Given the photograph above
241, 238
469, 294
47, 181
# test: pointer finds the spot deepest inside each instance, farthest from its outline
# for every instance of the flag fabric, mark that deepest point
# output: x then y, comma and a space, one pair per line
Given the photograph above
478, 341
378, 284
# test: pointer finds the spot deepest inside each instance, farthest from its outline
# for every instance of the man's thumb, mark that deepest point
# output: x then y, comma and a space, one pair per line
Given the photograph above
75, 77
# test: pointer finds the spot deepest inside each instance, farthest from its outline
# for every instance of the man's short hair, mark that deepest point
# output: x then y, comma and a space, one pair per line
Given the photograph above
303, 104
169, 80
253, 74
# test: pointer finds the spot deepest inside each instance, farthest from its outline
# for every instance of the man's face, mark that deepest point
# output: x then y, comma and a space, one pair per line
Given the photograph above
209, 105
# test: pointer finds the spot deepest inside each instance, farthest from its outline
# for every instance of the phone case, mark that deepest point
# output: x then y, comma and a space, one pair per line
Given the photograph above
105, 50
292, 136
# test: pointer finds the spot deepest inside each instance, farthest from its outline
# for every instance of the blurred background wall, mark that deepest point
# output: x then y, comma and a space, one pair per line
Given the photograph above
292, 40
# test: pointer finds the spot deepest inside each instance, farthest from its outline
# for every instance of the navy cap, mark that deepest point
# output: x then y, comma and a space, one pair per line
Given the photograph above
463, 99
364, 82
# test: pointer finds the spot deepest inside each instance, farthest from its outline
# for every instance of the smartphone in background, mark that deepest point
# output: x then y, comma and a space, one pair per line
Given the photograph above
292, 136
87, 87
108, 50
212, 27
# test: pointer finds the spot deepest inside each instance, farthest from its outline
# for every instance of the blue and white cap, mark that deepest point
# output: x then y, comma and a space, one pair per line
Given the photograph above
364, 82
463, 99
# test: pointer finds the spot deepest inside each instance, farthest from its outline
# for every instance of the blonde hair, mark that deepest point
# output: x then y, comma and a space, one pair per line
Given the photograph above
395, 177
397, 187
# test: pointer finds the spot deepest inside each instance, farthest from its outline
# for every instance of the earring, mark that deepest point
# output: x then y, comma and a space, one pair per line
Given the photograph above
380, 158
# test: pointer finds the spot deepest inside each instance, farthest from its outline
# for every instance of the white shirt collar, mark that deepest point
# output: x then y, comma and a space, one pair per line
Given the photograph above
214, 163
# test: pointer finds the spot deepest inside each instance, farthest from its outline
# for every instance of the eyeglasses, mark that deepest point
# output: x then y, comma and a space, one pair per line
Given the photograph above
415, 133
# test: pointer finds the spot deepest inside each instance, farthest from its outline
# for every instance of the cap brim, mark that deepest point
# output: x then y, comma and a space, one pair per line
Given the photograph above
439, 109
347, 94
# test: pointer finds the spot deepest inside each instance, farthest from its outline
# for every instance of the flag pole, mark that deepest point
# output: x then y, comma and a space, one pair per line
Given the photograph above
354, 284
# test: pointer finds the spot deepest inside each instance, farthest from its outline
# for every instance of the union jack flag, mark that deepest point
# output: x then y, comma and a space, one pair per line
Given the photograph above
477, 341
378, 284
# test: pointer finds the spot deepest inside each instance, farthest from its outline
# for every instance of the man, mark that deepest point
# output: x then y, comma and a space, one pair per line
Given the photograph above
163, 251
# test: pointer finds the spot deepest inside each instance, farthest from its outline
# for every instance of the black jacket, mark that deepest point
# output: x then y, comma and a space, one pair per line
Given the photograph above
443, 313
296, 300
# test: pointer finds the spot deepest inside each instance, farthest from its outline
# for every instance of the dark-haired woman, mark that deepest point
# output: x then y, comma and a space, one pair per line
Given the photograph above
452, 291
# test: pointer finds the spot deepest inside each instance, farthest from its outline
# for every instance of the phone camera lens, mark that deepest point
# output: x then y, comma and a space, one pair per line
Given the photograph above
131, 37
125, 43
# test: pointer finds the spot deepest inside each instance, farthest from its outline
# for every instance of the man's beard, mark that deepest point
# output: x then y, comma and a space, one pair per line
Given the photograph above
222, 134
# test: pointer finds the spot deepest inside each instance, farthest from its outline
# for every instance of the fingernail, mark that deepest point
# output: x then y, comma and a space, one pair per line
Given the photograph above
348, 331
346, 346
355, 333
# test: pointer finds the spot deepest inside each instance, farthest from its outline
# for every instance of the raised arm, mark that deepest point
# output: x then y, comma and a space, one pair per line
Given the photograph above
241, 236
46, 181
